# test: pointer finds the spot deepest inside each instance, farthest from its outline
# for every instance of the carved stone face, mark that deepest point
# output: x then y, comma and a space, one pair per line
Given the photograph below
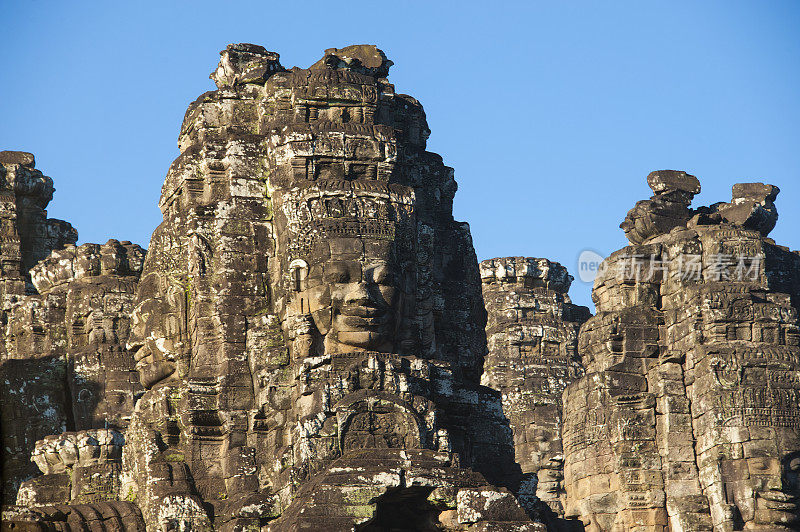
354, 294
770, 498
156, 328
350, 265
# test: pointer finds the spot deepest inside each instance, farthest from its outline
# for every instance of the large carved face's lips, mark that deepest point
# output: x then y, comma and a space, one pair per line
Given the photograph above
779, 501
151, 370
142, 355
137, 351
143, 358
364, 325
155, 372
362, 339
363, 317
364, 311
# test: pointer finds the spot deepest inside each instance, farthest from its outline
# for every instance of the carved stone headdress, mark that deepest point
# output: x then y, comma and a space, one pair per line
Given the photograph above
325, 210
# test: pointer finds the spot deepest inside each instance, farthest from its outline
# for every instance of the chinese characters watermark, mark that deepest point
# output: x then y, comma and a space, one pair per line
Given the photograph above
685, 266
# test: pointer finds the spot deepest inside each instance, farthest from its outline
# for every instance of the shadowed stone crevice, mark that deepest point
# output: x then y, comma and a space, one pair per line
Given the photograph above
403, 510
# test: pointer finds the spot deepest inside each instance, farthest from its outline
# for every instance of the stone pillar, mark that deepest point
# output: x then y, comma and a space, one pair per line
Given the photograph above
532, 333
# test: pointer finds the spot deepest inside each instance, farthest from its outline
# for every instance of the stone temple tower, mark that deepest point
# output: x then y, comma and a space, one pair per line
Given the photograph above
68, 382
308, 324
309, 343
688, 417
532, 332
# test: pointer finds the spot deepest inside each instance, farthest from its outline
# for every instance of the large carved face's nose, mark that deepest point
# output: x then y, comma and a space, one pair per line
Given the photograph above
359, 295
774, 483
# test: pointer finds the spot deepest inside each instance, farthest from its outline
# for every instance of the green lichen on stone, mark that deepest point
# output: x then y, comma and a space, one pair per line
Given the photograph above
174, 456
366, 511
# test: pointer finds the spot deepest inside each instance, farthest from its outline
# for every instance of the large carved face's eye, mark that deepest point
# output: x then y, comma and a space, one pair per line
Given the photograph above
336, 273
761, 465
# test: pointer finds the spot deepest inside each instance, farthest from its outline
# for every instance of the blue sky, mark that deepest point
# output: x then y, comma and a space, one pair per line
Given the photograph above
552, 113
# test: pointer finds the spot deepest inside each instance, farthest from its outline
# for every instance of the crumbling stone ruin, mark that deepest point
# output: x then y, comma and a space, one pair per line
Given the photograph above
309, 343
688, 416
68, 382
